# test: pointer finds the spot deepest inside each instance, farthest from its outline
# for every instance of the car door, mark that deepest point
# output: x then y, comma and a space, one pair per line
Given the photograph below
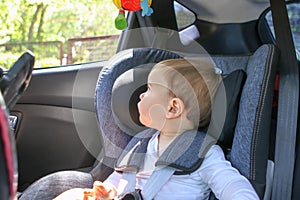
55, 123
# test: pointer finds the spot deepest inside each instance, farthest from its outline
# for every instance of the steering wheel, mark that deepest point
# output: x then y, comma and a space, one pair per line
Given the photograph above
15, 81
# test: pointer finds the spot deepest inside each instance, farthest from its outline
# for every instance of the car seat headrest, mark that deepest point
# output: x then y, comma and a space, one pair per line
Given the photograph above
114, 138
125, 97
233, 84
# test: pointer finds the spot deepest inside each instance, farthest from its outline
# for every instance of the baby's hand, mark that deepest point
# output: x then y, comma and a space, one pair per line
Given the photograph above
100, 191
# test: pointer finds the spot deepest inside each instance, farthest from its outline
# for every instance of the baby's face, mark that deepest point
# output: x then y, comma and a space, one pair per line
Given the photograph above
154, 103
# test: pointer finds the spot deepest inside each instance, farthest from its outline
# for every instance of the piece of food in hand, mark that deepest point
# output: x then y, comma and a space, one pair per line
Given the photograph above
104, 191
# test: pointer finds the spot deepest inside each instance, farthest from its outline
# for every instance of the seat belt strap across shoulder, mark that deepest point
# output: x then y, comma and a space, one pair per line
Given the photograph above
287, 106
128, 181
157, 180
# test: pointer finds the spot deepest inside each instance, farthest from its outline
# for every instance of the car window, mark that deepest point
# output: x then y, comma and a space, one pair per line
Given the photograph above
57, 32
294, 18
184, 16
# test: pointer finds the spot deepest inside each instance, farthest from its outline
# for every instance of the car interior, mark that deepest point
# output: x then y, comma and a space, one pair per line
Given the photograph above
84, 121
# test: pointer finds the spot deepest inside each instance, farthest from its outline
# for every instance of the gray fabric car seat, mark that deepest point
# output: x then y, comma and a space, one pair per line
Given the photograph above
249, 151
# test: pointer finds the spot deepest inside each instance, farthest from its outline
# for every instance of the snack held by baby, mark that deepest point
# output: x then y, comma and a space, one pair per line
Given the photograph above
100, 191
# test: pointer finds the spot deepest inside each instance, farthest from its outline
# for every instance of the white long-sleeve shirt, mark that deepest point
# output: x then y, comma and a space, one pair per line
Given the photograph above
215, 173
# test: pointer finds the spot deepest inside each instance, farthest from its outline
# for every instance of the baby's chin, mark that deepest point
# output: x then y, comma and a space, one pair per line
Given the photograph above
149, 124
142, 121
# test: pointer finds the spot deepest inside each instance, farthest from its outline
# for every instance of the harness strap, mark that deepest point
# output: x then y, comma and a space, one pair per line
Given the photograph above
174, 160
129, 180
159, 177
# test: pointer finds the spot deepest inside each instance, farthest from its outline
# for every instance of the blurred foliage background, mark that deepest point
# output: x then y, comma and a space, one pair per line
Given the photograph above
33, 21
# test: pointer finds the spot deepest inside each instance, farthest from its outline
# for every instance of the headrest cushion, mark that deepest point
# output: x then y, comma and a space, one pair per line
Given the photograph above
233, 84
125, 96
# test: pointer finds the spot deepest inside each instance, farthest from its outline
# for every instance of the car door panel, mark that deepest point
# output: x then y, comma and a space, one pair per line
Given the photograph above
56, 127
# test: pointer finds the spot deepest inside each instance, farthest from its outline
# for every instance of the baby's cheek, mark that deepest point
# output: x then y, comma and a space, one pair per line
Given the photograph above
157, 116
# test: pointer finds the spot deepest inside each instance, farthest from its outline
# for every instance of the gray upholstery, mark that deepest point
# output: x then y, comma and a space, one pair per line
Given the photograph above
50, 186
254, 120
251, 138
126, 90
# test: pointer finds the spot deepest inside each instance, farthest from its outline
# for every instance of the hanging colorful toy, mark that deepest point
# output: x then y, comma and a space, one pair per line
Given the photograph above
131, 5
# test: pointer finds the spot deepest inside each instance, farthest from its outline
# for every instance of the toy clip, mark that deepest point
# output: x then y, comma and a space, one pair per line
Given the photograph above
131, 5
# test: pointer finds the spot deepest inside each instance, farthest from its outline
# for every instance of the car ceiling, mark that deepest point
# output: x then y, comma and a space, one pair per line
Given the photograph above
227, 11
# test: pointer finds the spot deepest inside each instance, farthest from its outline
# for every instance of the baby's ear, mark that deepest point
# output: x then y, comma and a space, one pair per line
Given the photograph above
175, 108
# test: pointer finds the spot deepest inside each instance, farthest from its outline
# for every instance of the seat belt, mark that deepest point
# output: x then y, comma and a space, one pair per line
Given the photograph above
287, 105
157, 180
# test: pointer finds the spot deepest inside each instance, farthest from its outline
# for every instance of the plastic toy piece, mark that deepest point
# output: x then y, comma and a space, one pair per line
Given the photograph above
131, 5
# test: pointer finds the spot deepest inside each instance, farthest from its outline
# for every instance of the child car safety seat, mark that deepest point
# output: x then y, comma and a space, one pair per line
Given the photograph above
245, 134
248, 81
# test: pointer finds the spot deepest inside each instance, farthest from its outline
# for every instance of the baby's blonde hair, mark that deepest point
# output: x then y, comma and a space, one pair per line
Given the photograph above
195, 82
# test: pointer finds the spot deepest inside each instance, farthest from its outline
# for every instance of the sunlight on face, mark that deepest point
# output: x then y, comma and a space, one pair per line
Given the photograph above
154, 102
